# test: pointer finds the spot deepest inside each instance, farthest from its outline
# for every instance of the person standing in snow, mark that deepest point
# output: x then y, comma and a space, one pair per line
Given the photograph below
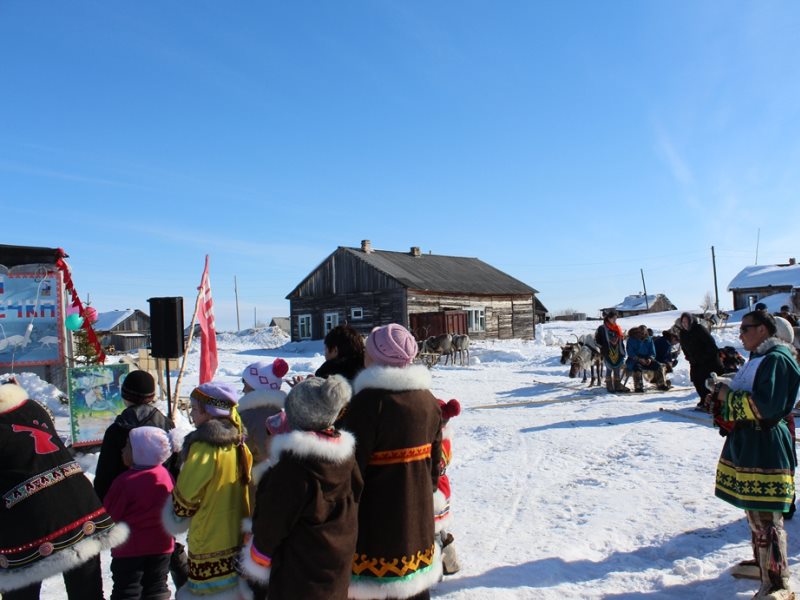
138, 391
263, 398
51, 521
397, 423
701, 351
306, 515
756, 467
610, 339
344, 354
211, 497
140, 566
442, 516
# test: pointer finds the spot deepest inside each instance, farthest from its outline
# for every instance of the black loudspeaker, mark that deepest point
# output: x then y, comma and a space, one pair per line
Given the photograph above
166, 327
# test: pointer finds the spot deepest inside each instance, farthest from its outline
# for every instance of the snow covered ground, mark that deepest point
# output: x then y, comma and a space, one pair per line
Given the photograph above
559, 491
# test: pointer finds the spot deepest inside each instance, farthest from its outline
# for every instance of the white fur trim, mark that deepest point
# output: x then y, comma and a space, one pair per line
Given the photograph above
447, 432
184, 593
64, 560
306, 444
440, 502
173, 524
250, 568
247, 525
397, 379
369, 590
11, 396
769, 343
258, 470
244, 590
261, 398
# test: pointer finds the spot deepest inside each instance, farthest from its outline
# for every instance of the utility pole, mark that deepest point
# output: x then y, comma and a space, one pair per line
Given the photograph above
716, 289
646, 302
758, 239
236, 294
255, 319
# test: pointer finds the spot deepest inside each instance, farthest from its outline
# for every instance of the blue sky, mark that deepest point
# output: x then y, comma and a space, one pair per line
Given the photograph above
570, 144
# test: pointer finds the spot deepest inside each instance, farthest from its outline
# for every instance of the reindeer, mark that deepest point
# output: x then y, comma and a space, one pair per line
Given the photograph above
585, 359
460, 347
439, 344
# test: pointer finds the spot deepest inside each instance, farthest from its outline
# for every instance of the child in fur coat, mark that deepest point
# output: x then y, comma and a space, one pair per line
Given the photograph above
441, 496
211, 497
140, 565
306, 515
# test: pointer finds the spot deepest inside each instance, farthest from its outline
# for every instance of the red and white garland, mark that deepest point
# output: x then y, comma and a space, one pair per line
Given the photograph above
76, 302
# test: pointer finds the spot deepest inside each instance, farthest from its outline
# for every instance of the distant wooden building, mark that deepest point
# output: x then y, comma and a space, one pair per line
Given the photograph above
282, 323
366, 288
637, 304
125, 330
755, 283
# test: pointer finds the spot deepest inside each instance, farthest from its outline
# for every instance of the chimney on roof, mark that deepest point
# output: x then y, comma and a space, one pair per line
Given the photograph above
414, 251
792, 261
366, 246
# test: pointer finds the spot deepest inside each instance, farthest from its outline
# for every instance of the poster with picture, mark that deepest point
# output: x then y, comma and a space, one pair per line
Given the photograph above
31, 327
95, 400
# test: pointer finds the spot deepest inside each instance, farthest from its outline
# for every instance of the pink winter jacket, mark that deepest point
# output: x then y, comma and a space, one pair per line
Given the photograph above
136, 497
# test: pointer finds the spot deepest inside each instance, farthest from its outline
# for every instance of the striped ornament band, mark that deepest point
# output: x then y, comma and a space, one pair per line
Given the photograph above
210, 400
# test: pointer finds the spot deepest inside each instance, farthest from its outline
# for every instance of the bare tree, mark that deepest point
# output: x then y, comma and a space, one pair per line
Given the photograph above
708, 303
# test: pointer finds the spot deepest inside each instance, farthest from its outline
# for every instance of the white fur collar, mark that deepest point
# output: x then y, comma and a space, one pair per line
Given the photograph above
307, 444
770, 343
260, 398
397, 379
11, 396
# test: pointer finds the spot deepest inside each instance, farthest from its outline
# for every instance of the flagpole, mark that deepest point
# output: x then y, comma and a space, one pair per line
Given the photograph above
186, 353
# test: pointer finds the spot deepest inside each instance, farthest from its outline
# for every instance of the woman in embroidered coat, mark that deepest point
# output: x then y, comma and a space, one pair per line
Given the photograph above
396, 421
611, 340
51, 521
756, 468
211, 498
306, 516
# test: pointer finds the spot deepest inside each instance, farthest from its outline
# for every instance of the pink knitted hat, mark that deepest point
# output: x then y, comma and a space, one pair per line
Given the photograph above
392, 345
150, 445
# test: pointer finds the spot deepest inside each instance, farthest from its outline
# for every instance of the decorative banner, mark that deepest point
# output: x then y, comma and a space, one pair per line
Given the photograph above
94, 401
31, 326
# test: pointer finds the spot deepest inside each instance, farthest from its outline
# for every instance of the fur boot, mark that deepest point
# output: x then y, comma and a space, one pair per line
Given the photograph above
660, 379
638, 382
618, 385
450, 564
609, 383
774, 573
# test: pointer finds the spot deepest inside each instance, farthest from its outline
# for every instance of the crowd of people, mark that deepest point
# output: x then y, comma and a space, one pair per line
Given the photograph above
338, 488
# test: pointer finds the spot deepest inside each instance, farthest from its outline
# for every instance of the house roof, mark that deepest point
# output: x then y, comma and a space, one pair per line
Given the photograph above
637, 302
758, 276
436, 273
106, 321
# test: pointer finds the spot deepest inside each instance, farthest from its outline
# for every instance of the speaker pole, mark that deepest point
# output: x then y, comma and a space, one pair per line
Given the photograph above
169, 393
186, 353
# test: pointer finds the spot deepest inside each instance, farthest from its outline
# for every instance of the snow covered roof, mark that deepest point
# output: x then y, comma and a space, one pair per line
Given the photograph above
637, 302
765, 276
106, 321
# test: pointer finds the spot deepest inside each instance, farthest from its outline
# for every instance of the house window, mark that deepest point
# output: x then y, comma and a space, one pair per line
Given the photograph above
304, 327
476, 320
331, 321
356, 314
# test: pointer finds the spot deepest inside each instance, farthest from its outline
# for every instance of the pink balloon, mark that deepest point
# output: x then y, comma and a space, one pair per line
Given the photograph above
90, 313
71, 310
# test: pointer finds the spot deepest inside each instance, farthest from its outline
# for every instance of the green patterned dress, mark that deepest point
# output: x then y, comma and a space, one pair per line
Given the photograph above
756, 467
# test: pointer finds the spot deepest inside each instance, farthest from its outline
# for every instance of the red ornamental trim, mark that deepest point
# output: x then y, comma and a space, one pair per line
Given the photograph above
56, 534
401, 455
66, 275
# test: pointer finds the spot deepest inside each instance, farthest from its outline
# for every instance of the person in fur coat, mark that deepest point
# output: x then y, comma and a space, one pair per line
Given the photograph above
397, 424
701, 351
262, 398
306, 514
441, 497
51, 521
756, 467
211, 497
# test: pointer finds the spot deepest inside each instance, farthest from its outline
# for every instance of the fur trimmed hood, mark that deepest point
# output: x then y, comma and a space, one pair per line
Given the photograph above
217, 432
397, 379
12, 396
307, 444
773, 342
261, 398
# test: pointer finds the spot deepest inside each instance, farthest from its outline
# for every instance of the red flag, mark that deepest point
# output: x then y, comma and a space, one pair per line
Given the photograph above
208, 335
